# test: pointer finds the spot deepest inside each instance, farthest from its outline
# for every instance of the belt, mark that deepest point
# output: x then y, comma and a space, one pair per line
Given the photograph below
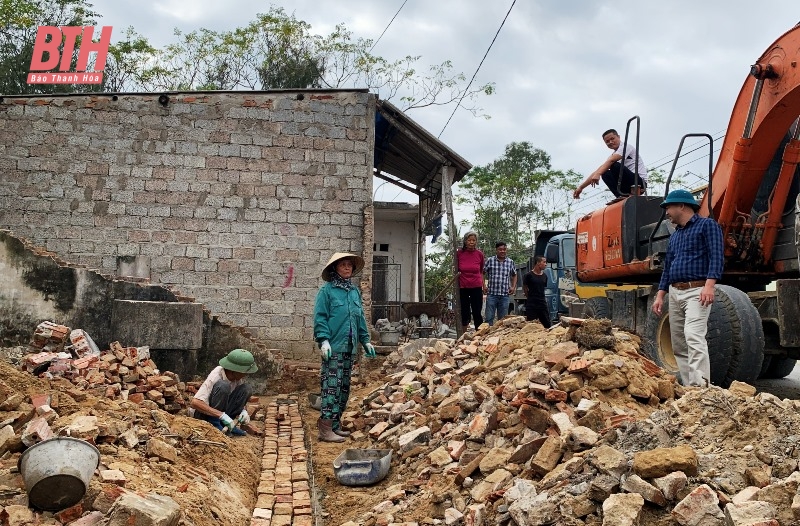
683, 285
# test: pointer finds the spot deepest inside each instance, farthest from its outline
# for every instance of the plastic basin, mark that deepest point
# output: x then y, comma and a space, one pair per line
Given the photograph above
57, 472
362, 467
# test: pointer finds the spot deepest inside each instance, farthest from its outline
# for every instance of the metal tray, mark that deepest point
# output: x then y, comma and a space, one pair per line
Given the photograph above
362, 467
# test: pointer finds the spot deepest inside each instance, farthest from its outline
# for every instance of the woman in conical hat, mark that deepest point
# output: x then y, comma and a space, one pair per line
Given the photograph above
339, 326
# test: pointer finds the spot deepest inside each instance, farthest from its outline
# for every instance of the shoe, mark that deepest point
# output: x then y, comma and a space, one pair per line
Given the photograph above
237, 432
326, 433
341, 432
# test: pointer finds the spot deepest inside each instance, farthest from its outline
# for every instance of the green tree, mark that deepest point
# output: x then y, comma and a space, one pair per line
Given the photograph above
279, 51
19, 22
515, 195
439, 268
657, 181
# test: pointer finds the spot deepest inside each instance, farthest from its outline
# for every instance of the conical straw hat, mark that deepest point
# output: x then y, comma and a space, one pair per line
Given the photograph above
358, 263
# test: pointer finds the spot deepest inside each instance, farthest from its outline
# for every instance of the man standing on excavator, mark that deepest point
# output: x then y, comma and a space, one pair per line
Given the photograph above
691, 269
612, 170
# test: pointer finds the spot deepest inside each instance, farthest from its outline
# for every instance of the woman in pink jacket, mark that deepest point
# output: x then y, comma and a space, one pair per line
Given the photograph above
470, 262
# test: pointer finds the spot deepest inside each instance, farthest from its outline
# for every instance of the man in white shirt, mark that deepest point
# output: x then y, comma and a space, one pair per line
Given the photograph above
612, 169
225, 392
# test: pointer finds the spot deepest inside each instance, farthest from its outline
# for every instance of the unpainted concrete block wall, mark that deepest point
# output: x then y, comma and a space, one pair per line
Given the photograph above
234, 199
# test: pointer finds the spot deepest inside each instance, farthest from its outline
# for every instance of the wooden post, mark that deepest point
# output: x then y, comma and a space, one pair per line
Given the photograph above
448, 173
424, 204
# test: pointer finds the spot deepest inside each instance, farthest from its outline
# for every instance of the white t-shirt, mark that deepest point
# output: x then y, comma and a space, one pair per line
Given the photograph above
630, 160
217, 375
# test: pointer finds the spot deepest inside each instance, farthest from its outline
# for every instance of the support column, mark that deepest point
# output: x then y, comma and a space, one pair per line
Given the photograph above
448, 173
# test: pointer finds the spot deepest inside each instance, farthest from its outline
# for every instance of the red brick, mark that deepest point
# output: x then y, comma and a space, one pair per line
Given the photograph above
70, 514
38, 400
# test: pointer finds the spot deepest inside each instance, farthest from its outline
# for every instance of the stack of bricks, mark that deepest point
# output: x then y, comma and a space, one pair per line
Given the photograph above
284, 494
125, 373
49, 337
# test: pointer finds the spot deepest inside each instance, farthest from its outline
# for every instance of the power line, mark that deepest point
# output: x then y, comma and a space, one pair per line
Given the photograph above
478, 69
670, 160
387, 27
670, 156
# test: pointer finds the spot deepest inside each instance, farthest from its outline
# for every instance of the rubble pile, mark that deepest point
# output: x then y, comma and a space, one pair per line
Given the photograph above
155, 467
124, 373
572, 426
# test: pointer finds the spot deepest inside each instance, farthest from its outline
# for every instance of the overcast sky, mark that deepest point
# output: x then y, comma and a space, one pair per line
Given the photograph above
564, 70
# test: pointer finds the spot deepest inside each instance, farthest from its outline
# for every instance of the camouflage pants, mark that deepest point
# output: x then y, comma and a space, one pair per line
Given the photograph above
335, 385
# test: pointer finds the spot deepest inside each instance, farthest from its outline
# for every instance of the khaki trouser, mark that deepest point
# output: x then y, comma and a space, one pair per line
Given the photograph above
688, 321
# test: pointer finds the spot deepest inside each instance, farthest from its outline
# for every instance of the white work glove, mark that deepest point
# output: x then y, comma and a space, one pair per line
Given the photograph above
369, 351
243, 419
325, 349
227, 422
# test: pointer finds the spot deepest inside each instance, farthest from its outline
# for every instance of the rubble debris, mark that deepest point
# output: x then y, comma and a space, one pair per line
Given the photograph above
568, 426
159, 465
49, 337
125, 373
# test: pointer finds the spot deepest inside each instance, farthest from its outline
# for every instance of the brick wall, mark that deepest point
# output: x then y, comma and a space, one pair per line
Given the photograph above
235, 199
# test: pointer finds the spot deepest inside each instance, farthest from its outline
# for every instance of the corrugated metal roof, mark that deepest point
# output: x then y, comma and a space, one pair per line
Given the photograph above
405, 151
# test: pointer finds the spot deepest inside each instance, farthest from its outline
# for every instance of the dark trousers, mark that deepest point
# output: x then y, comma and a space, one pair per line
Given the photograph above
612, 175
229, 402
471, 304
334, 379
538, 313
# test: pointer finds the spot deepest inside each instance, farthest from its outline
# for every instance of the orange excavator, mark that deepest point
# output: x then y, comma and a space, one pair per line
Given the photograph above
754, 325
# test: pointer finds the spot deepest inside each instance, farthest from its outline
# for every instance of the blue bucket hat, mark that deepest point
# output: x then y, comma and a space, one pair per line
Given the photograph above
680, 197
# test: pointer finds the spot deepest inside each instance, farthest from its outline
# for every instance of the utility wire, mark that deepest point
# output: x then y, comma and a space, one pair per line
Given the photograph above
670, 156
387, 27
478, 69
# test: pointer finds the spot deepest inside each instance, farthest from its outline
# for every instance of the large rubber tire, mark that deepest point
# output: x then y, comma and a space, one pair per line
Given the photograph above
779, 367
597, 308
734, 318
735, 338
657, 342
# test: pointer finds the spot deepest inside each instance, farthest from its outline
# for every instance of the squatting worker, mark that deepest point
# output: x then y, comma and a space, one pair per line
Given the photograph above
223, 395
469, 263
339, 326
691, 269
534, 283
615, 168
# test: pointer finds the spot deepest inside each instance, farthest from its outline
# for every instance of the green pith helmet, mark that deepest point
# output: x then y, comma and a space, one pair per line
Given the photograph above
240, 361
680, 197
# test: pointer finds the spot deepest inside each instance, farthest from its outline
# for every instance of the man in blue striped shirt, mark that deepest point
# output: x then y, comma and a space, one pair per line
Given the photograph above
691, 269
501, 282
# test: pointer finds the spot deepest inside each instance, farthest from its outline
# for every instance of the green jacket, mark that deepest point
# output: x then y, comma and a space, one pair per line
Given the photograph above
339, 318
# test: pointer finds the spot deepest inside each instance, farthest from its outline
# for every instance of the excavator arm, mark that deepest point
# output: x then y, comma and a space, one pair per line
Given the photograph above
767, 105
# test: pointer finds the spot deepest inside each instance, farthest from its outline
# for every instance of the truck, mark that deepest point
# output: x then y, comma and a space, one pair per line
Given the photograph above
753, 328
558, 249
559, 272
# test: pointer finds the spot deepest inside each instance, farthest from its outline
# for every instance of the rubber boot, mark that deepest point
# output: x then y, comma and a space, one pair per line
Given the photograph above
341, 432
326, 433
